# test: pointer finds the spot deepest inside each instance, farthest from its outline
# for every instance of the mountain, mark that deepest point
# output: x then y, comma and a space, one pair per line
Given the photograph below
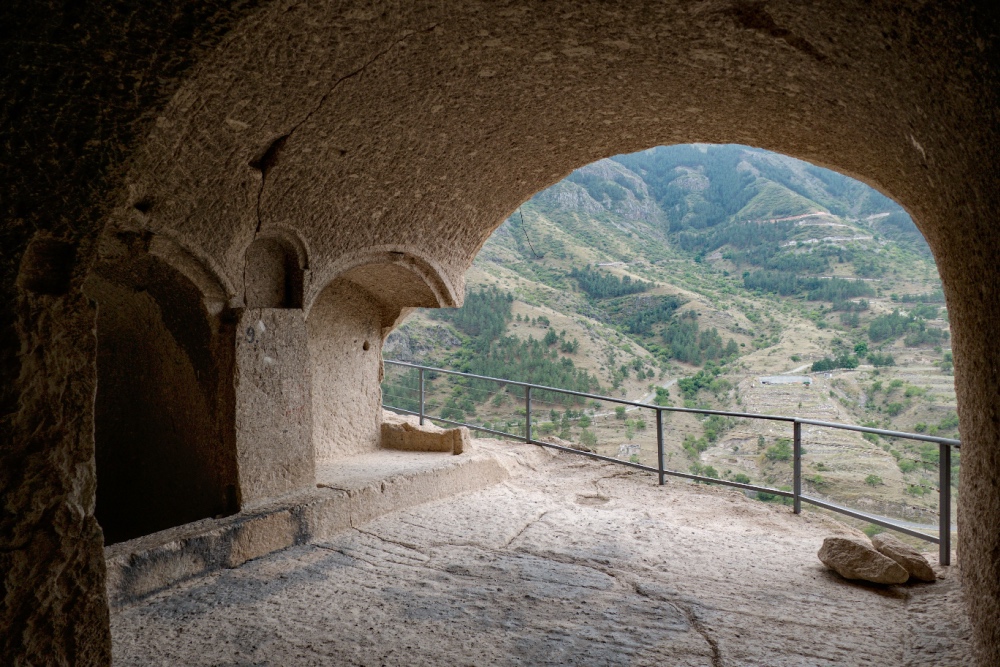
689, 275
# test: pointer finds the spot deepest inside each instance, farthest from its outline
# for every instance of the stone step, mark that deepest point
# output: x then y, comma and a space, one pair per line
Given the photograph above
349, 492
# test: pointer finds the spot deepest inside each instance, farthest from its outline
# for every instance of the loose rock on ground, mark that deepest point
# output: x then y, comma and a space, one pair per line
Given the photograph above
853, 560
908, 557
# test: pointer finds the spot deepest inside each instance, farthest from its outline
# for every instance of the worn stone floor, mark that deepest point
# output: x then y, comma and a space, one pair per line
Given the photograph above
569, 562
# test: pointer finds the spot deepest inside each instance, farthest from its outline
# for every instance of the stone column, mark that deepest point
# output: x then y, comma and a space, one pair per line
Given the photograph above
272, 384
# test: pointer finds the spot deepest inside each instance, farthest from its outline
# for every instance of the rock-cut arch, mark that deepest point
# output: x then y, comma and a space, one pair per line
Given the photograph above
163, 451
347, 323
275, 270
422, 125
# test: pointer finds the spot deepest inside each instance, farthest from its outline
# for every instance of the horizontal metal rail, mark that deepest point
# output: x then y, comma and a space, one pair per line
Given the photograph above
877, 520
668, 408
943, 540
597, 397
883, 432
601, 457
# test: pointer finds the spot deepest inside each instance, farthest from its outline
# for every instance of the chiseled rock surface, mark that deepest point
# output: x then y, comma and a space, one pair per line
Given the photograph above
568, 562
905, 555
853, 560
407, 433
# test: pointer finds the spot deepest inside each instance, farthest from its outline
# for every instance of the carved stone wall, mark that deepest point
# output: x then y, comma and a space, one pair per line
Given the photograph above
345, 347
162, 406
273, 404
412, 131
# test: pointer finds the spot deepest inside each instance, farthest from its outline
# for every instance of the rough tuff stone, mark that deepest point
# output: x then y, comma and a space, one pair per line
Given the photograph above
853, 560
406, 433
130, 116
539, 571
906, 556
273, 420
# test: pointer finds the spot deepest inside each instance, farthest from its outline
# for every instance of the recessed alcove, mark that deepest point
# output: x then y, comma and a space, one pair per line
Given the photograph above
273, 275
162, 459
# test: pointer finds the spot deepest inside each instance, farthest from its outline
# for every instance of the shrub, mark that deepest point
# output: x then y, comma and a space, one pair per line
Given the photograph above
694, 447
588, 438
779, 451
715, 426
906, 465
894, 409
774, 498
873, 480
662, 396
949, 422
741, 478
879, 360
569, 347
620, 412
871, 530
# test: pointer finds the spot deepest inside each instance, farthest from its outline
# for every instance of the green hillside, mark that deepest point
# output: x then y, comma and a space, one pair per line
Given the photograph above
685, 274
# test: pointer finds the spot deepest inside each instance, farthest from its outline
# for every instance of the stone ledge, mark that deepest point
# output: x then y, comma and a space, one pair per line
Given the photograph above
350, 493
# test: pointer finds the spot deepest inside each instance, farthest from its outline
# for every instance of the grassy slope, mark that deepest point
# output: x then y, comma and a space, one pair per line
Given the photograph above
770, 330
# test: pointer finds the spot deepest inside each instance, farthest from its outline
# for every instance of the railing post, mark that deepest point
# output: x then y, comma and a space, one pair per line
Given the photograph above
421, 396
797, 468
944, 505
527, 413
659, 445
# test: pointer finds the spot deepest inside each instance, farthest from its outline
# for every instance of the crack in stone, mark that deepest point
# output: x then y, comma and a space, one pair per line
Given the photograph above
623, 578
269, 158
525, 528
597, 482
411, 547
344, 553
692, 619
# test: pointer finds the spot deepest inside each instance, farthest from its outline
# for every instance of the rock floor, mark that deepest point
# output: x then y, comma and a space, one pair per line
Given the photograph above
570, 562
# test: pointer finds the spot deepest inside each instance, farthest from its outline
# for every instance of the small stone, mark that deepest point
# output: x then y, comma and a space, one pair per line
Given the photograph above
854, 560
905, 555
407, 433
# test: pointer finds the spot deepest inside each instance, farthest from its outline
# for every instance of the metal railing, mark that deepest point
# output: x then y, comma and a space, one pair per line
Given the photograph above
943, 539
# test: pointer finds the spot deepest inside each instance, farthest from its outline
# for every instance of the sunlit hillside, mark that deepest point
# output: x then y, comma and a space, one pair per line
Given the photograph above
684, 275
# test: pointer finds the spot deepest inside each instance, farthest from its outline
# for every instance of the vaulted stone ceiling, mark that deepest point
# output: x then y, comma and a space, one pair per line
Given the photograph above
404, 134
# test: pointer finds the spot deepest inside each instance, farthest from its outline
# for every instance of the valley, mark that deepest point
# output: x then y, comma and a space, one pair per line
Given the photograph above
683, 276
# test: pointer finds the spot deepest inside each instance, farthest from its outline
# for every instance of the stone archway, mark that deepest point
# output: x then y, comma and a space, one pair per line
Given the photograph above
424, 126
162, 411
347, 323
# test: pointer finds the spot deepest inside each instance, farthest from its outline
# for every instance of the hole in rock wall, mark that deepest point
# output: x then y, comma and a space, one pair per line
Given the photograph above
162, 460
273, 277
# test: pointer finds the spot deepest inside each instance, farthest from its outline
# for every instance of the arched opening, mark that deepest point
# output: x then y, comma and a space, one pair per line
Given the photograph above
718, 277
273, 275
163, 457
408, 133
346, 326
345, 335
